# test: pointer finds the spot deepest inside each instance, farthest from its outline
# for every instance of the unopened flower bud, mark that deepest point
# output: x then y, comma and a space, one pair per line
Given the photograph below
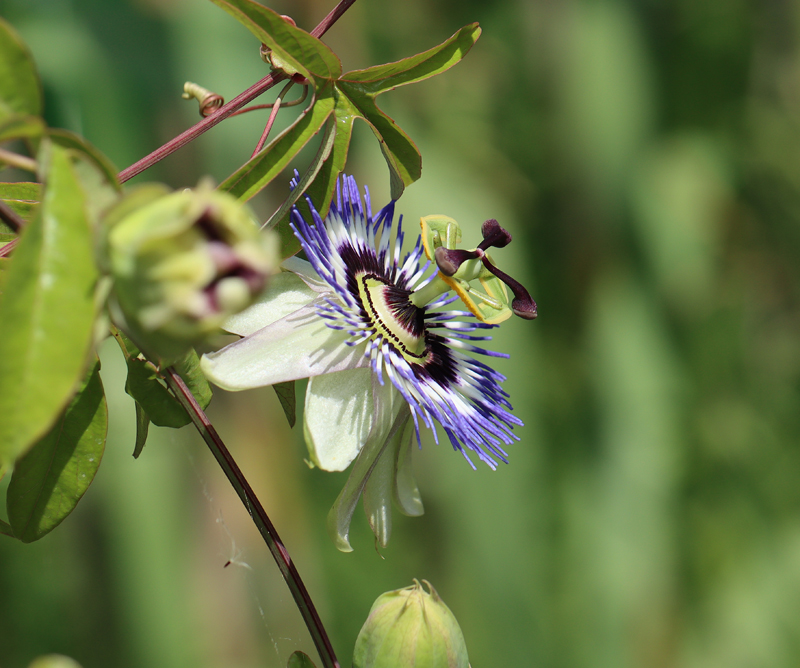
182, 264
410, 628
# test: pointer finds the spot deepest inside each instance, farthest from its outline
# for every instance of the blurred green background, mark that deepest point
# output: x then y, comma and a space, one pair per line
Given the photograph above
645, 154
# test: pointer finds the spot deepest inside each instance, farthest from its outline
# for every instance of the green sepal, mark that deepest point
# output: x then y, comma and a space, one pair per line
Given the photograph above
50, 479
189, 369
20, 88
47, 309
300, 659
142, 427
287, 397
144, 384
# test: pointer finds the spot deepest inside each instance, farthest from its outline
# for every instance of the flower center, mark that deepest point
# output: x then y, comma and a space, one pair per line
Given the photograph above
393, 316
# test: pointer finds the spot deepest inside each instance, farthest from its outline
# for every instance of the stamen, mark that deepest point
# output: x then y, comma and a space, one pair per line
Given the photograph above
523, 304
494, 236
449, 260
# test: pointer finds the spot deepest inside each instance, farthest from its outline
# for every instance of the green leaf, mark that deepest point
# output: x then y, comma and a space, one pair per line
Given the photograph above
22, 197
289, 243
276, 156
142, 427
298, 50
81, 147
286, 395
376, 80
20, 90
145, 386
51, 478
300, 659
46, 310
21, 127
401, 154
359, 89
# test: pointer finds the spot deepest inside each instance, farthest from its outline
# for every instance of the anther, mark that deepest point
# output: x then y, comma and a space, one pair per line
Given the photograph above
523, 304
449, 260
494, 236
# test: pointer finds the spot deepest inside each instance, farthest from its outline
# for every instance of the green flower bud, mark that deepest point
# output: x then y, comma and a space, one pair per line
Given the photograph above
410, 628
183, 263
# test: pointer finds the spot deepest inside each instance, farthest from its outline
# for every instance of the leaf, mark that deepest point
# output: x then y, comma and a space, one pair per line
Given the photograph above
79, 145
378, 79
20, 90
286, 395
300, 659
22, 197
401, 154
361, 87
299, 50
46, 310
325, 147
21, 127
257, 172
51, 478
142, 427
189, 369
156, 400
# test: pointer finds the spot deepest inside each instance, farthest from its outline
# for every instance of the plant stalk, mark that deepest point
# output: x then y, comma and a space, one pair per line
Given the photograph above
259, 516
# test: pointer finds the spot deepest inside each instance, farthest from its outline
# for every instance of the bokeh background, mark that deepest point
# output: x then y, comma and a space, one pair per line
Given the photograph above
645, 155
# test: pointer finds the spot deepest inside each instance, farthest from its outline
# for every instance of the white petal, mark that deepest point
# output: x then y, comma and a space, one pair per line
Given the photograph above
338, 417
390, 412
285, 294
297, 346
306, 272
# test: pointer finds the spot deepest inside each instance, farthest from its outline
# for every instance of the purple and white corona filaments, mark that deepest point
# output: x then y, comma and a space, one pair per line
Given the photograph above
367, 324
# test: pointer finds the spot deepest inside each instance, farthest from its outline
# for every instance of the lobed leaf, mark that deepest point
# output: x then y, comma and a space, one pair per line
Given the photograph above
20, 90
46, 309
401, 154
380, 78
50, 479
298, 50
257, 172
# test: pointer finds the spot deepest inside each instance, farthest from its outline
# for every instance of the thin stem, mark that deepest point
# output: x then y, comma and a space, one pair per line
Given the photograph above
258, 514
17, 160
271, 105
226, 110
6, 250
11, 217
271, 120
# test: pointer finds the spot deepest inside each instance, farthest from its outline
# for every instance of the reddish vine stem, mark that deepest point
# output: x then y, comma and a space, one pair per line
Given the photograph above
271, 120
259, 516
226, 110
11, 217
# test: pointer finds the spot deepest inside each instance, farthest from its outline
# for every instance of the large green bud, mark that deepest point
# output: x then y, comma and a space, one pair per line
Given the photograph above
410, 628
182, 263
